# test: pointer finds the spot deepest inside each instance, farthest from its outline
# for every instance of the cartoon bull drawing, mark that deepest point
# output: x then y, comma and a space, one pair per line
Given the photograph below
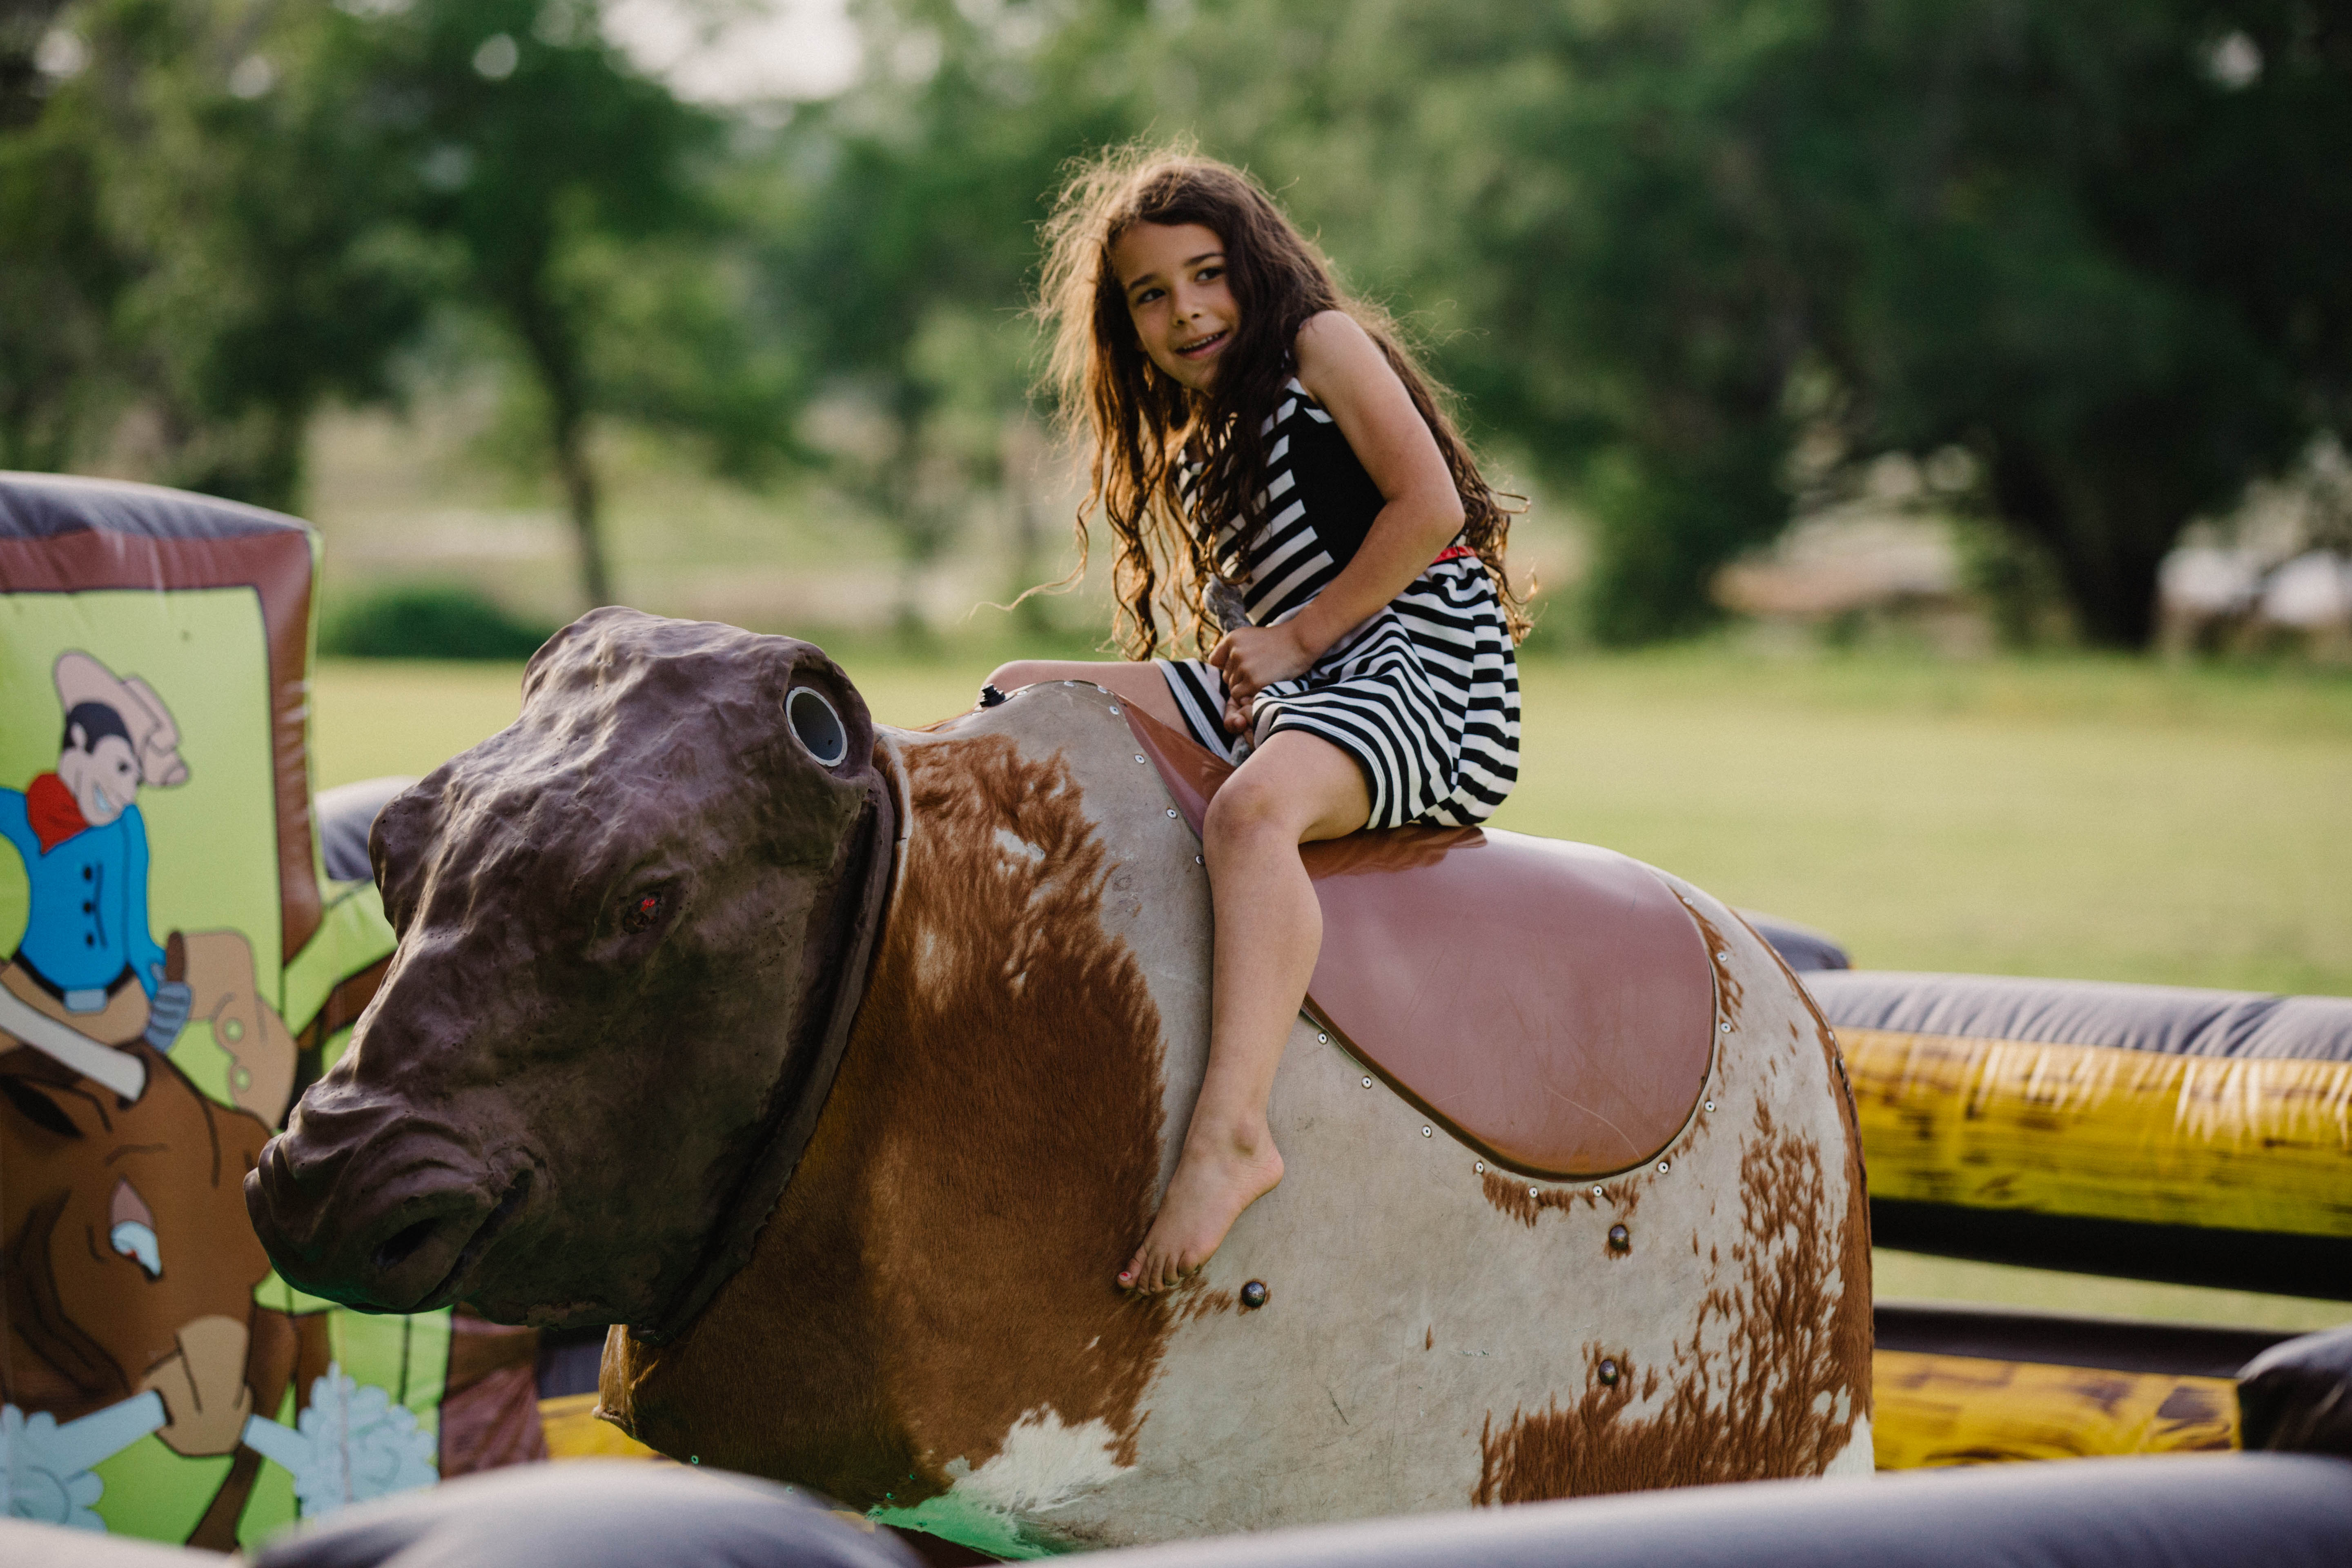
844, 1068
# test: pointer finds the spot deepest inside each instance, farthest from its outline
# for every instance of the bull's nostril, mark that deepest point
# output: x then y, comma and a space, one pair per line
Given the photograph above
397, 1250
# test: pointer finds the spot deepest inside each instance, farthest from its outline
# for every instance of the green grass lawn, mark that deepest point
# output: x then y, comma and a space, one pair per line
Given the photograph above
2107, 819
2104, 819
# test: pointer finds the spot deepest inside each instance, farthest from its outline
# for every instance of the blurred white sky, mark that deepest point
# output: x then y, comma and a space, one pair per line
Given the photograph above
739, 51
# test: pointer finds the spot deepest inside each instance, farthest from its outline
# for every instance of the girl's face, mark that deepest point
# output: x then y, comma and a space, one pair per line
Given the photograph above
1173, 277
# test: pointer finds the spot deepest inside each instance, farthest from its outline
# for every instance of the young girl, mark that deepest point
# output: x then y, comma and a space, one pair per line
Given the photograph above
1250, 421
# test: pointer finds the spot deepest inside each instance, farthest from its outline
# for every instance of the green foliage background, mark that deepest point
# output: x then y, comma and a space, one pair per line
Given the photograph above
2092, 245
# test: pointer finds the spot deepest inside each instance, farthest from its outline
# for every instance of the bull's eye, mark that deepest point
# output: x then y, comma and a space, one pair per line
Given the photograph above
816, 726
640, 910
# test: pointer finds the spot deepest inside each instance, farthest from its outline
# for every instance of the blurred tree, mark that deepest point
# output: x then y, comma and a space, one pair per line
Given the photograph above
2104, 254
576, 194
908, 241
2093, 243
197, 225
59, 274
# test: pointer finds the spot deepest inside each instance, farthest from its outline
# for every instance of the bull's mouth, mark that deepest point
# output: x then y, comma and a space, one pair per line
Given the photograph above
405, 1243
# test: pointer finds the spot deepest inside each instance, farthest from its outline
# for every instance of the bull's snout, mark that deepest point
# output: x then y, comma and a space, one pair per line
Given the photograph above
376, 1212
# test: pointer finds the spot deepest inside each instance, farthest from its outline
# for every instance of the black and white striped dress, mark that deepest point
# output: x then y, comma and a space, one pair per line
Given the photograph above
1424, 695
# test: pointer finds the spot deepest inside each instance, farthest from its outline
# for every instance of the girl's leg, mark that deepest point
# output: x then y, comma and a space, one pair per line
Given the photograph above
1269, 929
1137, 681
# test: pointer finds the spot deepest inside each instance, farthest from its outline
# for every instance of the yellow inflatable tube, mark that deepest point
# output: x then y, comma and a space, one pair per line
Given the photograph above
2229, 1142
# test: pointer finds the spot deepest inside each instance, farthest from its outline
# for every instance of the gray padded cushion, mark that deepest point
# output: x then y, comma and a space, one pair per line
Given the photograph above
616, 1513
2297, 1397
2260, 1510
345, 814
2170, 1019
1801, 948
42, 505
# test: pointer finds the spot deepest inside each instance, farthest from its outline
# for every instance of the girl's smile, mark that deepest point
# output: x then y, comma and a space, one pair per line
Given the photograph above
1205, 347
1173, 277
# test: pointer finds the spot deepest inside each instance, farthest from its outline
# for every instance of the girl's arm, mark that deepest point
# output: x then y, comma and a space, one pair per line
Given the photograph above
1340, 365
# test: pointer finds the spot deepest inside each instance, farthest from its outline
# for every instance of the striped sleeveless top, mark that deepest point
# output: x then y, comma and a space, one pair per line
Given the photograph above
1424, 695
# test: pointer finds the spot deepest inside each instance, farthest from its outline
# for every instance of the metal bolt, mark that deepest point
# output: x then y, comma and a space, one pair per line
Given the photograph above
1368, 1083
1620, 1239
1481, 1167
1724, 1028
1197, 861
1725, 955
1609, 1372
1138, 756
1531, 1191
1113, 710
1171, 811
1322, 1040
1425, 1132
1596, 1191
1663, 1167
1253, 1294
1710, 1105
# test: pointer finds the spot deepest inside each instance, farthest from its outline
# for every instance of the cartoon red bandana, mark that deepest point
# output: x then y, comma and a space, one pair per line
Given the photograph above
50, 808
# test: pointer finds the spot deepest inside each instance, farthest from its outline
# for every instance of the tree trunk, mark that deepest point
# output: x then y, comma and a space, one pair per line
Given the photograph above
2107, 543
581, 498
1023, 444
555, 357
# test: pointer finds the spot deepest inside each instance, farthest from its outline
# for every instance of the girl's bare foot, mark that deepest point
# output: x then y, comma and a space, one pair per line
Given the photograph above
1217, 1178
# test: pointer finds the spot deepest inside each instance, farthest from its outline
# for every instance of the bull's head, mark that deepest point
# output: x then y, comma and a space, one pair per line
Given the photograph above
633, 928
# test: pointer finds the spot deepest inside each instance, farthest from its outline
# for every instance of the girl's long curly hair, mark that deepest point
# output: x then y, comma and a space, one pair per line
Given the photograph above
1142, 425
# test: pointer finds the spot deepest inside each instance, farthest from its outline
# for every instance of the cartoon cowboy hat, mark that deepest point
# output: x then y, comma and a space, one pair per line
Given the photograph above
154, 739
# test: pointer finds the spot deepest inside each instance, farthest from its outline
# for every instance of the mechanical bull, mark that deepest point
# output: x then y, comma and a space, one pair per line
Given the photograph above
844, 1068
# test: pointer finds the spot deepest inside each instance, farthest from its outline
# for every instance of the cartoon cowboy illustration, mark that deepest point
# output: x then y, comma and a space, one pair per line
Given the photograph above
89, 959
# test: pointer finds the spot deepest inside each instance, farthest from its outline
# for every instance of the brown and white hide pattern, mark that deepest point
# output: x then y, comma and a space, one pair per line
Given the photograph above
929, 1325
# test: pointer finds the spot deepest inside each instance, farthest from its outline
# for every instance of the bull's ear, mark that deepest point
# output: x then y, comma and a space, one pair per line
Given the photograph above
395, 843
581, 641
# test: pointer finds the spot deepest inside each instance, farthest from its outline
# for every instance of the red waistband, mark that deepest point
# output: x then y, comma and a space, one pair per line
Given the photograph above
1456, 552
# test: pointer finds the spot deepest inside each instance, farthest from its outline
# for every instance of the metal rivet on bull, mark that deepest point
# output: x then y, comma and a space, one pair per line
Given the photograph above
1114, 713
1368, 1083
1197, 861
1138, 756
1171, 811
1531, 1191
1609, 1372
1322, 1040
1596, 1191
1620, 1239
1425, 1132
1663, 1167
1710, 1105
1725, 955
1480, 1167
1254, 1294
1726, 1027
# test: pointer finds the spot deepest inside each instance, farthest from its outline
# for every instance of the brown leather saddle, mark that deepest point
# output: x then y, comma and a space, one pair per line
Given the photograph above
1550, 1003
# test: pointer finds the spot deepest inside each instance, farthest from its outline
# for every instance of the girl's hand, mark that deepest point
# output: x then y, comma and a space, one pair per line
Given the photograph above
1252, 659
